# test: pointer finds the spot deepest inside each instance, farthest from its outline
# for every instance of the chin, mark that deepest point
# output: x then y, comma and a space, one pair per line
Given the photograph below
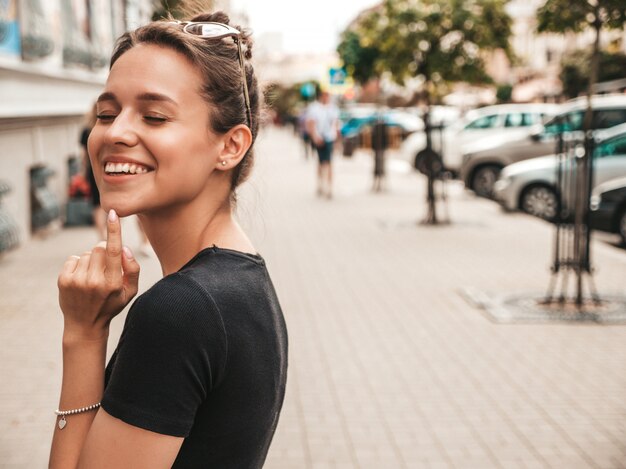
122, 209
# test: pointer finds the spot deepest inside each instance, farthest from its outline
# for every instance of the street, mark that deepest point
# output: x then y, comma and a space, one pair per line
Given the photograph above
390, 366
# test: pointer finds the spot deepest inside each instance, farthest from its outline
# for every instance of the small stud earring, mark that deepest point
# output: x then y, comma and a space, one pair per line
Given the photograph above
223, 163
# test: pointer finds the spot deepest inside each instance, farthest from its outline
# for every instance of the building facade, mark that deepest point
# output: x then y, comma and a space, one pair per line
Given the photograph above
53, 61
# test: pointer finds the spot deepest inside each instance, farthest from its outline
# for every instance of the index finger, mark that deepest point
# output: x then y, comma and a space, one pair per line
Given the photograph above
113, 264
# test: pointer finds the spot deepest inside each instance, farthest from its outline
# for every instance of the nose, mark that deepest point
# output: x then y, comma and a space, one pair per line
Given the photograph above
121, 131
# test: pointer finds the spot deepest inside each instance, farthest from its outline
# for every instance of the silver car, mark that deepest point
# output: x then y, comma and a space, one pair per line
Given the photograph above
531, 185
483, 162
502, 120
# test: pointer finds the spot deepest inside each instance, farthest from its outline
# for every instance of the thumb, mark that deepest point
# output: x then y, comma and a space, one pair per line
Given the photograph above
131, 268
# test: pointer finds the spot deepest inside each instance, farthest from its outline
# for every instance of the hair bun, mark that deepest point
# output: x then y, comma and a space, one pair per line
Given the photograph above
216, 17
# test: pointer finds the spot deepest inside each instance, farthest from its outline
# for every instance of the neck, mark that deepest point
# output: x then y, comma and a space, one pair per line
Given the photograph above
178, 234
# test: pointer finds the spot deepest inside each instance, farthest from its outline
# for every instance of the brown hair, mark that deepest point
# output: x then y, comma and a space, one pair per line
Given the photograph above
218, 62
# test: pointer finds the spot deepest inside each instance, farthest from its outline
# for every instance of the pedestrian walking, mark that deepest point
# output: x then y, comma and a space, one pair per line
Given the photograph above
379, 144
307, 144
198, 377
323, 128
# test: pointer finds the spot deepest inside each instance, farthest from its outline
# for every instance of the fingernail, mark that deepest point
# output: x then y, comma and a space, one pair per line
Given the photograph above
127, 252
112, 215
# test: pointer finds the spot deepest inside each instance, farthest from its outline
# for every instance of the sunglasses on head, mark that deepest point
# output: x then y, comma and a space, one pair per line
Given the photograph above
211, 30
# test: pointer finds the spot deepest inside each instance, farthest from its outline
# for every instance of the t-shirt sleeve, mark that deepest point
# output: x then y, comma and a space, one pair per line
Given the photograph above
170, 355
312, 113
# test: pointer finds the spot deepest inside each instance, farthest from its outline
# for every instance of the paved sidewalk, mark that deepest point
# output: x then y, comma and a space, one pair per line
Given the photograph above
389, 366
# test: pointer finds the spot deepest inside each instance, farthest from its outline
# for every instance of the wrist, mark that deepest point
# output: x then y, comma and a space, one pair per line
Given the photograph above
77, 335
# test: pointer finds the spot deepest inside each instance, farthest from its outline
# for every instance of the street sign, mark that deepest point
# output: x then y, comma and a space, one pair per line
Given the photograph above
337, 76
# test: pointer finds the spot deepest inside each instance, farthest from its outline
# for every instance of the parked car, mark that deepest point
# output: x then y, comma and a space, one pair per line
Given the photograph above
483, 162
531, 185
608, 207
508, 121
405, 120
351, 131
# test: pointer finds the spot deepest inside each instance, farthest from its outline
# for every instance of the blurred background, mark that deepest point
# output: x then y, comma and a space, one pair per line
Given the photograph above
467, 313
398, 58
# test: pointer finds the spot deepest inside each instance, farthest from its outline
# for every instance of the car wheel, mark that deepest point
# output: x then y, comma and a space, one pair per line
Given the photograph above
484, 179
540, 201
621, 227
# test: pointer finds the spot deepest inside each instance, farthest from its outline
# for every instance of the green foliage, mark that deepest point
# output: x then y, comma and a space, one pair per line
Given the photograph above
180, 9
165, 8
564, 15
359, 60
443, 39
575, 70
504, 93
567, 15
284, 100
436, 40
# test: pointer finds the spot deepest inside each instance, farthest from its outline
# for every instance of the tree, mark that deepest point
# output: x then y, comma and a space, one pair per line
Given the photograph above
358, 49
433, 41
443, 40
283, 100
575, 70
563, 16
504, 93
566, 16
179, 8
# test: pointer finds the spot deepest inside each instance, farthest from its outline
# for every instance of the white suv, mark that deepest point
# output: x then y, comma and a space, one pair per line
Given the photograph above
502, 121
484, 160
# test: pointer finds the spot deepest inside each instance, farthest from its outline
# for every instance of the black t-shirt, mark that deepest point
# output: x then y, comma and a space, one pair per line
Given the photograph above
203, 355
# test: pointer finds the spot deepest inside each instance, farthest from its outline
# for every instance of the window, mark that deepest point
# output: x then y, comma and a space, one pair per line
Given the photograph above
485, 122
521, 119
514, 120
606, 118
565, 123
613, 147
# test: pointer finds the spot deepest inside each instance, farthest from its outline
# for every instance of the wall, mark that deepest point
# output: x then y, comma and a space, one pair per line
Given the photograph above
53, 65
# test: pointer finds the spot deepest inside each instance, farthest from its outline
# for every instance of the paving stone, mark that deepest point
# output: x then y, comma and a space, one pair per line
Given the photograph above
390, 366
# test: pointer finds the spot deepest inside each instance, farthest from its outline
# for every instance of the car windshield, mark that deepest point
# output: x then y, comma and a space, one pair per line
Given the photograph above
611, 147
484, 122
564, 123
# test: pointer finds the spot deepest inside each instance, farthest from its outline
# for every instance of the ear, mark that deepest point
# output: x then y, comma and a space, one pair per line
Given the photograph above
236, 143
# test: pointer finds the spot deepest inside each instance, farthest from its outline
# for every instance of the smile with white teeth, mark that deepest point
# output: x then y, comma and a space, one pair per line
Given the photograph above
124, 168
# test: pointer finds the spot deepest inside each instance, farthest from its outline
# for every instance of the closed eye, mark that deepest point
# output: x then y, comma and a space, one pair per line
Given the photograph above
155, 119
105, 117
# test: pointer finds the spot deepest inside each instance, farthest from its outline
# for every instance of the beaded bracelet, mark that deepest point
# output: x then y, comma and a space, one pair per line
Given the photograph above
63, 413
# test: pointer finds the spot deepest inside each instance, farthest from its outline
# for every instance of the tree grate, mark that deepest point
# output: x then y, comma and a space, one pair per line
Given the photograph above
532, 308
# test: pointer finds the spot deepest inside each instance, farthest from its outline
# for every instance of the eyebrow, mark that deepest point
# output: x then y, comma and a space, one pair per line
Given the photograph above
108, 96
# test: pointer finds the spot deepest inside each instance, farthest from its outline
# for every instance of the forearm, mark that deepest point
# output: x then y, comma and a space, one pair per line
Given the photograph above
312, 131
83, 385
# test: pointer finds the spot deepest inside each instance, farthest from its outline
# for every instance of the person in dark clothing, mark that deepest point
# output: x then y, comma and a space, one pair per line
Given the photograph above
98, 215
198, 377
379, 144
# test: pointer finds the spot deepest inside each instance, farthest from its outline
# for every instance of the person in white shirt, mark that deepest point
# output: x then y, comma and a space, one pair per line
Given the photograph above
323, 127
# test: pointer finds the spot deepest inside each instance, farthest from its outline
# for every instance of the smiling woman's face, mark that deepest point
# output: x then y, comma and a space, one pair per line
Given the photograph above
152, 148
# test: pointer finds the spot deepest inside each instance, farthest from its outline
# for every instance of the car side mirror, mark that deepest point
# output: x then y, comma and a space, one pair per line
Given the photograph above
535, 136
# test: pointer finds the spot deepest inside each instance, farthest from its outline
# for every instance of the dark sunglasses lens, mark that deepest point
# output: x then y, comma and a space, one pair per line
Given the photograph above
208, 30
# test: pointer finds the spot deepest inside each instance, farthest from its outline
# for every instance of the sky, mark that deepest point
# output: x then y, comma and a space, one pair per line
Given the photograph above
306, 26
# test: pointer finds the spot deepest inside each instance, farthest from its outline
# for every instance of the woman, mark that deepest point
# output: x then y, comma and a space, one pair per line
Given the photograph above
198, 377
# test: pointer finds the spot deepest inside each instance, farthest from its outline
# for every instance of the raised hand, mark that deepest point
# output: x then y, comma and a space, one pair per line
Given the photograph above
96, 286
